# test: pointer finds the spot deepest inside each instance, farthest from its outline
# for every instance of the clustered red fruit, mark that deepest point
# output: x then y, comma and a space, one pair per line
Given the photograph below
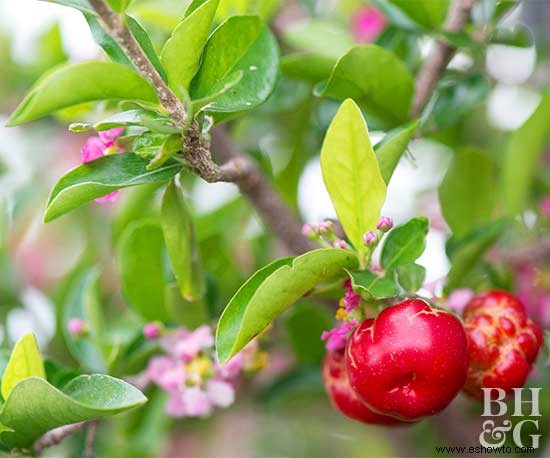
412, 360
503, 342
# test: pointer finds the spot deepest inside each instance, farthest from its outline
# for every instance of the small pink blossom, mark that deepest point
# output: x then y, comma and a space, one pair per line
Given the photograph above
92, 149
76, 327
188, 347
367, 24
326, 227
166, 372
220, 393
337, 337
309, 231
196, 402
108, 137
232, 367
370, 238
351, 299
152, 331
384, 224
534, 294
459, 298
544, 206
340, 244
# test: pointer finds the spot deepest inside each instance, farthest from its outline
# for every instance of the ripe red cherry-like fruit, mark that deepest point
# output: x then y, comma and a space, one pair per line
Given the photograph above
342, 397
409, 362
503, 342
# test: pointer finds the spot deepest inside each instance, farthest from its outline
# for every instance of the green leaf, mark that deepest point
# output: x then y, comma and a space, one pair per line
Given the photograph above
376, 286
136, 117
304, 325
106, 41
253, 51
82, 5
35, 407
309, 66
119, 5
467, 194
405, 243
520, 36
142, 37
75, 84
100, 177
217, 91
411, 276
25, 361
179, 234
182, 52
141, 266
190, 314
390, 149
270, 291
376, 79
428, 13
83, 302
466, 252
351, 173
522, 155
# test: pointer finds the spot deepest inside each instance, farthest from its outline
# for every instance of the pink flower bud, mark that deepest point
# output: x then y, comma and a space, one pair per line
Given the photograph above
544, 205
77, 327
152, 331
340, 244
370, 238
385, 223
326, 227
309, 231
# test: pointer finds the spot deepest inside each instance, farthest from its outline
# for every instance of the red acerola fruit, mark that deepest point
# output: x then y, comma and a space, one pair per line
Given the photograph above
503, 342
409, 362
342, 397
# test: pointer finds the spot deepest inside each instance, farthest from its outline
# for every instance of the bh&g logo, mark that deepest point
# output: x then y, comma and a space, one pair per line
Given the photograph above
494, 435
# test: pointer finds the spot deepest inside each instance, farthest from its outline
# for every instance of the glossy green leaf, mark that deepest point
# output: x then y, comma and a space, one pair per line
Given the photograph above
467, 193
428, 13
83, 302
35, 407
136, 117
141, 266
182, 52
270, 291
411, 276
106, 41
100, 177
216, 92
75, 84
309, 66
253, 51
376, 79
25, 361
142, 37
179, 234
466, 252
405, 243
522, 155
390, 149
351, 173
374, 285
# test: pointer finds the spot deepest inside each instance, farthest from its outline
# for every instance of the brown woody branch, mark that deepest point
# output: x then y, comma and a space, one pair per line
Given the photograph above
55, 436
237, 167
429, 74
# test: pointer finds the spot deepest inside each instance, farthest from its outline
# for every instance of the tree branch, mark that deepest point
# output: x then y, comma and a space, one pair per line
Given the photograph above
237, 167
429, 74
55, 436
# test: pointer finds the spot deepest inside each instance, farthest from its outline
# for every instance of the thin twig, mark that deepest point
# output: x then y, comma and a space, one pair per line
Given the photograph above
237, 167
437, 61
55, 436
90, 439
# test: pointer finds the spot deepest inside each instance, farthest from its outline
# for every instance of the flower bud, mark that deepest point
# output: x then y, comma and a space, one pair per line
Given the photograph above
340, 244
152, 331
385, 223
370, 238
309, 231
326, 227
77, 327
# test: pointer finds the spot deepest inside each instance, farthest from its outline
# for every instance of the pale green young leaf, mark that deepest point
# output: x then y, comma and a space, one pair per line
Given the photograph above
182, 52
106, 41
142, 37
100, 177
468, 191
405, 243
522, 154
141, 266
411, 276
376, 79
270, 291
309, 66
35, 407
82, 5
75, 84
375, 286
428, 13
351, 173
25, 361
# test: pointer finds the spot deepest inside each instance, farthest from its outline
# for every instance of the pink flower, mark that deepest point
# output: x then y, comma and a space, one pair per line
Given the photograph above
534, 294
76, 327
220, 393
190, 345
309, 231
232, 368
152, 331
384, 224
340, 244
326, 227
459, 298
367, 24
544, 206
96, 147
370, 238
337, 337
166, 372
351, 299
196, 402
